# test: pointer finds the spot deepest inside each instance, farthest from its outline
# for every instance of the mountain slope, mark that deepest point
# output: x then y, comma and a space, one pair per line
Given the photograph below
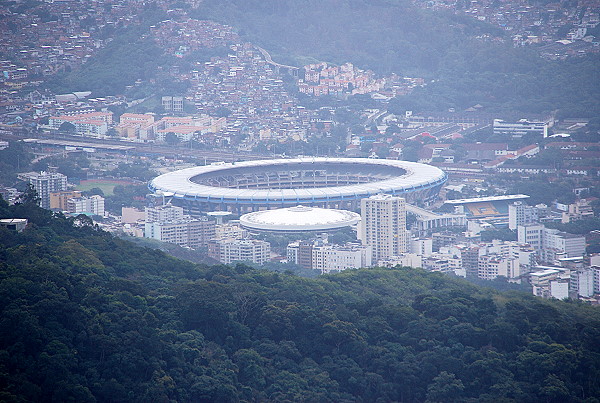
88, 317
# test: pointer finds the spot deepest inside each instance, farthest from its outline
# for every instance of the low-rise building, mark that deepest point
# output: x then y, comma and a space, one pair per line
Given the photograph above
15, 224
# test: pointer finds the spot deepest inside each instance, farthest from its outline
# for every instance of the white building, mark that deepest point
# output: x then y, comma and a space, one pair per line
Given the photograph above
44, 183
520, 213
163, 213
232, 250
550, 282
558, 244
531, 234
86, 205
383, 225
421, 246
404, 259
582, 282
495, 265
185, 232
167, 223
330, 257
520, 128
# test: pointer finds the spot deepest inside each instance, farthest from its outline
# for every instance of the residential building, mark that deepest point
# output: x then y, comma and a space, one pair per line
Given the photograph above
383, 225
163, 213
561, 244
10, 195
495, 265
172, 104
45, 183
421, 246
231, 250
470, 261
531, 234
520, 128
405, 260
550, 282
58, 200
91, 123
520, 213
185, 231
167, 223
334, 258
582, 282
93, 205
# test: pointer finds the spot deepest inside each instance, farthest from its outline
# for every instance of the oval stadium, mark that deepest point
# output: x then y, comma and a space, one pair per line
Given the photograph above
247, 186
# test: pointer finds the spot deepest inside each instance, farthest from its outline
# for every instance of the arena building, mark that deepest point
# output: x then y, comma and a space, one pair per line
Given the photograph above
341, 183
298, 219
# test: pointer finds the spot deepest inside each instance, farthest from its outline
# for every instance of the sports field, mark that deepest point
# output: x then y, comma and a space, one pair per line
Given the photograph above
107, 185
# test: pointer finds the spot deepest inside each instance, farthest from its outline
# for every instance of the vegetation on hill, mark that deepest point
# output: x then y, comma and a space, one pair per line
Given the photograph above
88, 317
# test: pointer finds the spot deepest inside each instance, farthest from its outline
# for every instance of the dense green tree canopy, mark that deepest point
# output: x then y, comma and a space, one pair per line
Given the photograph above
87, 317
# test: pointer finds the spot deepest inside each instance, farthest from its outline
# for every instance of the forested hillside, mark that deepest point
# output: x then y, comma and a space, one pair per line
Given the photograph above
87, 317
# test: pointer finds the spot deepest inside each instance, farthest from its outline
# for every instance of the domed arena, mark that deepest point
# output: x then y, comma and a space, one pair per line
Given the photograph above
338, 183
298, 219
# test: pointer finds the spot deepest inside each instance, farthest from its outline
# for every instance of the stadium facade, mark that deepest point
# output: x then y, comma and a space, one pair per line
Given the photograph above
339, 183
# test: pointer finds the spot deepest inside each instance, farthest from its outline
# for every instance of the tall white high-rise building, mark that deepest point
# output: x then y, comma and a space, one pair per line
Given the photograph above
521, 214
383, 225
44, 183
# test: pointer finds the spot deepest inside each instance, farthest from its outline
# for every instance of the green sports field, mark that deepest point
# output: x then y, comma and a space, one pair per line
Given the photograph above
107, 185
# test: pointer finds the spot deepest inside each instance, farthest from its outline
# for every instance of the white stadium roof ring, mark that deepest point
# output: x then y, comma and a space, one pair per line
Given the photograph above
318, 182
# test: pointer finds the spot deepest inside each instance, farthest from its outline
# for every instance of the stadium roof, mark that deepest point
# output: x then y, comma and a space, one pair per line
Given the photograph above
417, 176
487, 199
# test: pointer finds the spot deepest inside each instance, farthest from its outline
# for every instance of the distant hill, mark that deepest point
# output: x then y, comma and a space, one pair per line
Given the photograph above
88, 317
385, 36
394, 36
463, 55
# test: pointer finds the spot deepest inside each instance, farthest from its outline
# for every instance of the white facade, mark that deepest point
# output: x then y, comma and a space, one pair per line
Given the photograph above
422, 247
582, 282
521, 214
86, 205
531, 234
186, 232
163, 213
550, 282
405, 259
44, 183
231, 250
568, 245
383, 225
493, 266
520, 128
328, 258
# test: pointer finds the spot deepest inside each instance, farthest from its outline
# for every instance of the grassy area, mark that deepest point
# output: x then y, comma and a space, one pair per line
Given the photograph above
107, 185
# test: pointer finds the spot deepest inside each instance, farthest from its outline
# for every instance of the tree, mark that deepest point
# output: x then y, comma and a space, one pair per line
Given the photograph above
29, 197
67, 127
172, 139
445, 388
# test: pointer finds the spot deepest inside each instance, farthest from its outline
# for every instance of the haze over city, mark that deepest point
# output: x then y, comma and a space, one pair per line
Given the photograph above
285, 201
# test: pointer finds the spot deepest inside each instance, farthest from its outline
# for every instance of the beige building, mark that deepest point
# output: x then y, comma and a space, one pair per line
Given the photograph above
383, 225
58, 200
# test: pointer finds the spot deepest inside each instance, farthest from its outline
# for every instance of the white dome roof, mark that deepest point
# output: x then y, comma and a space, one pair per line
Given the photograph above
299, 218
